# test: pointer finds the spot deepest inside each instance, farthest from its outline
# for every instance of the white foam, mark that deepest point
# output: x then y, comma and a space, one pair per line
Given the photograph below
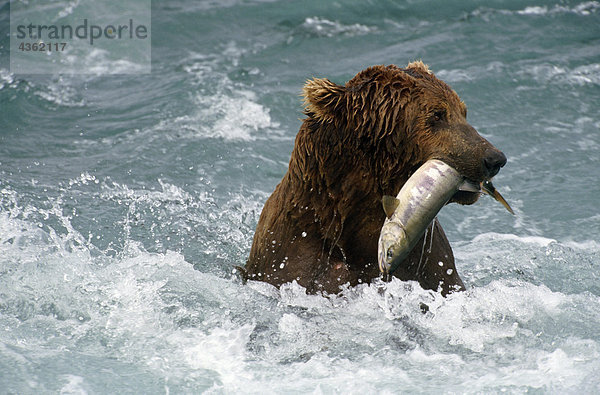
74, 385
294, 294
324, 27
235, 117
454, 75
170, 193
201, 332
84, 178
224, 110
541, 369
58, 91
582, 9
7, 79
588, 74
61, 93
533, 10
588, 245
68, 10
492, 236
483, 316
98, 62
222, 350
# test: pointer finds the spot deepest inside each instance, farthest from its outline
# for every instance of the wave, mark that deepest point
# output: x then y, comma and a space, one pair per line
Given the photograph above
530, 240
58, 91
225, 109
542, 73
588, 74
582, 9
100, 62
322, 27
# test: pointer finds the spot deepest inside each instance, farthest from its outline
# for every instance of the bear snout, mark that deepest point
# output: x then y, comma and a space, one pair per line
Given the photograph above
493, 160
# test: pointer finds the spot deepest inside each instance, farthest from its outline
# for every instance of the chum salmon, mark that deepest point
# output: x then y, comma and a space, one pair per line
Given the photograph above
416, 205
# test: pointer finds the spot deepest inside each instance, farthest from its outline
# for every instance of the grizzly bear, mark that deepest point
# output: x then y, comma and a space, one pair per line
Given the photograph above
359, 142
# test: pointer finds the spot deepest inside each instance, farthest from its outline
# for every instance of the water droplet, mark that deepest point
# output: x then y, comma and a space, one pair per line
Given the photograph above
449, 271
303, 234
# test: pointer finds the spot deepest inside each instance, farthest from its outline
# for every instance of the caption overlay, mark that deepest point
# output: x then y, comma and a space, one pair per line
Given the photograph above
81, 37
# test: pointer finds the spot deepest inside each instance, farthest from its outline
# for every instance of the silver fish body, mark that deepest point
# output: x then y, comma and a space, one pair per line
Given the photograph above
413, 209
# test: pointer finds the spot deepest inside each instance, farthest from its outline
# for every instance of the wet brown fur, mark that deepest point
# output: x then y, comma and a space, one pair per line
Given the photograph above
358, 143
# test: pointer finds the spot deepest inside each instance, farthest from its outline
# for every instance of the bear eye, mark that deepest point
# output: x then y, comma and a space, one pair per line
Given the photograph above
439, 115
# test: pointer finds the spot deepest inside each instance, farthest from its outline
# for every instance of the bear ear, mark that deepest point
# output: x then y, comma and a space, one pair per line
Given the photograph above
419, 66
323, 99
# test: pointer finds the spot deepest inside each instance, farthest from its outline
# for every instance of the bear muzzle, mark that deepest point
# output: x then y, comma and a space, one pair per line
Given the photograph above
493, 161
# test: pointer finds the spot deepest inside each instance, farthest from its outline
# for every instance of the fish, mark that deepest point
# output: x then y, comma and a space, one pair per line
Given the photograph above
412, 210
416, 206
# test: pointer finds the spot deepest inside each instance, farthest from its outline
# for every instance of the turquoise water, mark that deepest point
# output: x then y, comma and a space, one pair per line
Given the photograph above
126, 200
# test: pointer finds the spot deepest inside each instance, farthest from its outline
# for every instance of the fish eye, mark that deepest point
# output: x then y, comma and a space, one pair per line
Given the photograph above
390, 254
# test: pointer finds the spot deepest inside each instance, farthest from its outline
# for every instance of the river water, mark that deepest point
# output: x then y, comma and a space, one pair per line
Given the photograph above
127, 199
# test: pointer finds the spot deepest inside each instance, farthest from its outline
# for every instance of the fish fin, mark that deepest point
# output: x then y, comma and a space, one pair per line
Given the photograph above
469, 186
390, 204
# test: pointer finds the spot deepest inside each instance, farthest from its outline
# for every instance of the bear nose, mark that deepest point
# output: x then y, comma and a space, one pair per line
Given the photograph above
493, 160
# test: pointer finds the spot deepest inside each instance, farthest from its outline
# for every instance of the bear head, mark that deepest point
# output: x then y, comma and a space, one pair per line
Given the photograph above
392, 120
